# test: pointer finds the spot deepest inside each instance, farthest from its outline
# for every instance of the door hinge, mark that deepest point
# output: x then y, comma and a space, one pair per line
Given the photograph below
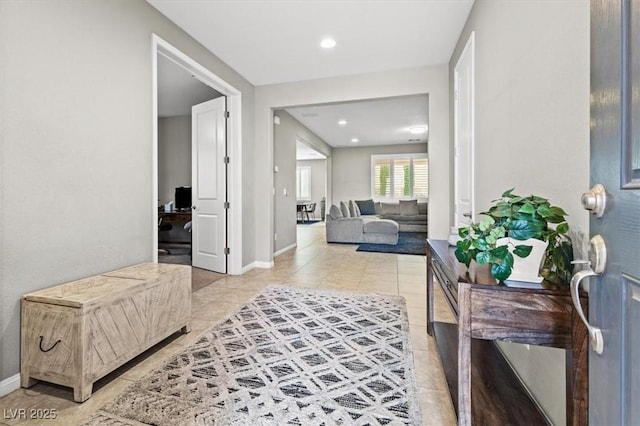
227, 250
226, 160
227, 205
226, 114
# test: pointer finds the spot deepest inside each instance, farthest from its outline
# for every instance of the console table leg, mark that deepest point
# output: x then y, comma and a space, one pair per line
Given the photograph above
464, 355
430, 307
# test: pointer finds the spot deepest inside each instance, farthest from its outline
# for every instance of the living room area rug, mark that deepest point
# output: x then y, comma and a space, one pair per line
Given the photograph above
408, 243
289, 356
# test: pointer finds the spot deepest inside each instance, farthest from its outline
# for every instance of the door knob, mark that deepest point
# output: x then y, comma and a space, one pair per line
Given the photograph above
597, 262
467, 214
595, 200
193, 207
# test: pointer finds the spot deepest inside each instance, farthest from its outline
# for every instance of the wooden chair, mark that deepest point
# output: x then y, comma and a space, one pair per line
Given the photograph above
301, 211
310, 209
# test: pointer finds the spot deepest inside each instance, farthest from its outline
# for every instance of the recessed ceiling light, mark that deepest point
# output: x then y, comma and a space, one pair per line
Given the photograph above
342, 122
328, 43
355, 140
416, 130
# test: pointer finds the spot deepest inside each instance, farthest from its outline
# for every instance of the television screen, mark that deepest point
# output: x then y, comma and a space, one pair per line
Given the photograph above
183, 198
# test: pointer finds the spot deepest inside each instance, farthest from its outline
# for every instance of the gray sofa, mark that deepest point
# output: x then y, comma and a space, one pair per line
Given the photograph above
345, 225
410, 215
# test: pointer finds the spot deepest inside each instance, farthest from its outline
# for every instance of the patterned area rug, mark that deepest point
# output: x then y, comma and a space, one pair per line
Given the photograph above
289, 356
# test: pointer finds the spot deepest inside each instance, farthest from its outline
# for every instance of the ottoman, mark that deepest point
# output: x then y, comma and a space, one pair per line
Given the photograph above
381, 231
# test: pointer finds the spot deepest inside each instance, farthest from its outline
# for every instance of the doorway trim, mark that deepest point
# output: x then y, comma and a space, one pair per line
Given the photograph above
234, 146
469, 49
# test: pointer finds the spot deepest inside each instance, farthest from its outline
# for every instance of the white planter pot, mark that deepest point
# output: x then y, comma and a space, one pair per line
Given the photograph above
526, 269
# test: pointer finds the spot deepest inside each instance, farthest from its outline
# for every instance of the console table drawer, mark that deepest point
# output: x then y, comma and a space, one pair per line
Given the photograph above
521, 317
448, 284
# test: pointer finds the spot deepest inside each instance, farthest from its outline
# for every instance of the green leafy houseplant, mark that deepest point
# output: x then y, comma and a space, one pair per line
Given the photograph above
520, 218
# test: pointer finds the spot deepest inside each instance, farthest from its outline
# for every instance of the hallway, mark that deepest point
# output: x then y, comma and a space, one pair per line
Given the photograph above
313, 264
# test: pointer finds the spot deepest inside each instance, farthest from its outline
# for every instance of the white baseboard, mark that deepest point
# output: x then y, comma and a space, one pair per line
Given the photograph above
284, 250
9, 385
263, 265
248, 267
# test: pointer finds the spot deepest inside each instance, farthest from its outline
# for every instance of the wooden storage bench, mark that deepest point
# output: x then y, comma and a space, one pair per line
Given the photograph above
73, 334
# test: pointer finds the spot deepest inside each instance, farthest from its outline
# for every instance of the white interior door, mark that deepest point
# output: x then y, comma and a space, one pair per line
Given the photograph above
464, 135
614, 296
208, 151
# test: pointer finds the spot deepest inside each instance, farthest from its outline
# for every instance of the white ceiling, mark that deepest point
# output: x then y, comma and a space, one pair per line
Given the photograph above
372, 122
276, 41
178, 90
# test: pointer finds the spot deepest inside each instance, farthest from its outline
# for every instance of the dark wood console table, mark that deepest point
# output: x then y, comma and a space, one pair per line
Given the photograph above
483, 387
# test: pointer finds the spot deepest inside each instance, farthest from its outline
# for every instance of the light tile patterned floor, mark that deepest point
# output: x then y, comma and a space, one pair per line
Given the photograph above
314, 264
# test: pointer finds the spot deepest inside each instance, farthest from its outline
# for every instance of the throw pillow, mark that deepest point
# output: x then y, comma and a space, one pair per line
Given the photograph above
352, 209
390, 208
344, 209
357, 210
334, 212
409, 207
366, 207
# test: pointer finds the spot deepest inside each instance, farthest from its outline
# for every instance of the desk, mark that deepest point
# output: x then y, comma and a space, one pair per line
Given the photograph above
483, 387
177, 218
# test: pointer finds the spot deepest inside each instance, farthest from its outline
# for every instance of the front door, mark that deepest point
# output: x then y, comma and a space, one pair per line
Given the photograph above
464, 135
208, 180
614, 296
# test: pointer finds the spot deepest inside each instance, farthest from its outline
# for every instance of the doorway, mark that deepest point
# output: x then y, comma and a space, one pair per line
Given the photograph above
234, 183
311, 183
178, 91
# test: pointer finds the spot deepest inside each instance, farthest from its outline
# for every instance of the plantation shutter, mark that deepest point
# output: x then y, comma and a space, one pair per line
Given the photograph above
382, 178
421, 178
402, 177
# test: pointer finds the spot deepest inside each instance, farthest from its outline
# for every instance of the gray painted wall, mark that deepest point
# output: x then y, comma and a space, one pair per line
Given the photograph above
532, 131
352, 169
285, 135
76, 144
174, 156
318, 181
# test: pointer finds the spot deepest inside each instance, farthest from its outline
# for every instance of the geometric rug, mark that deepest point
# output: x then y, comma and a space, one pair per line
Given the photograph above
408, 243
289, 356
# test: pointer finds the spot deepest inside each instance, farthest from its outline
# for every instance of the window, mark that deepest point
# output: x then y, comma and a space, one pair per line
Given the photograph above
400, 176
303, 183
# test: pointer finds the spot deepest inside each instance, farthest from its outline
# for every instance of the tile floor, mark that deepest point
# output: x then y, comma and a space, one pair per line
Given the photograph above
314, 263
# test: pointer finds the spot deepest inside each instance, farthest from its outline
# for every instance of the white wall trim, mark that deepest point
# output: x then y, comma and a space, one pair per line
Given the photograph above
234, 131
264, 265
9, 384
286, 249
254, 265
469, 49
